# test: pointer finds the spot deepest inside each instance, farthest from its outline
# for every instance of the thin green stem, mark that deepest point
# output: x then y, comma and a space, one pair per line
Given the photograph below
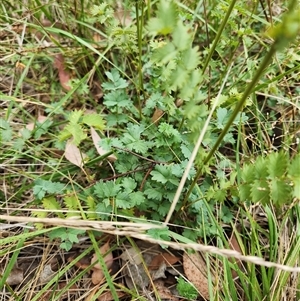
12, 260
139, 24
218, 36
237, 109
195, 151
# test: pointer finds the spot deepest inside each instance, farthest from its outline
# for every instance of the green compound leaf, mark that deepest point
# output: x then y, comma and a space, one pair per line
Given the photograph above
190, 60
123, 201
294, 167
182, 39
260, 191
129, 184
163, 208
107, 189
116, 81
68, 236
41, 187
164, 54
42, 128
220, 195
277, 165
222, 117
73, 234
154, 194
261, 170
51, 204
187, 91
75, 116
163, 174
178, 78
94, 120
193, 110
160, 233
245, 192
132, 139
280, 192
137, 198
248, 173
226, 215
116, 100
186, 289
76, 132
5, 130
66, 245
71, 202
116, 119
169, 132
166, 19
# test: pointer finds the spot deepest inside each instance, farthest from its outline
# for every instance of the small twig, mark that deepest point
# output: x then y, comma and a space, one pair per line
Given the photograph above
137, 155
145, 177
124, 174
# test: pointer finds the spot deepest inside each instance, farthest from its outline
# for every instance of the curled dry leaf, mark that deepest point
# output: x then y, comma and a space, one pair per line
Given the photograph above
63, 74
15, 277
164, 257
160, 272
46, 274
163, 291
81, 264
132, 255
107, 296
196, 272
134, 270
157, 115
98, 274
73, 154
96, 139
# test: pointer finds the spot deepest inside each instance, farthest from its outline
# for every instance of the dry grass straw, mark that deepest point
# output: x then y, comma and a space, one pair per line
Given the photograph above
137, 230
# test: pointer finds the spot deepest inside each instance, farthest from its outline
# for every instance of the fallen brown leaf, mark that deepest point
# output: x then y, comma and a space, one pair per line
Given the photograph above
163, 291
73, 154
82, 264
157, 260
157, 115
63, 74
132, 255
96, 139
107, 296
98, 275
46, 274
196, 272
15, 277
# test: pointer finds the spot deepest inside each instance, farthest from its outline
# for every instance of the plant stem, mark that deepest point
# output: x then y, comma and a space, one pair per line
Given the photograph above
195, 151
237, 109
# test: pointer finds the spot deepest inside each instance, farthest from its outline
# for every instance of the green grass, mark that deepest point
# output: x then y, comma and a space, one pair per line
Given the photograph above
199, 102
